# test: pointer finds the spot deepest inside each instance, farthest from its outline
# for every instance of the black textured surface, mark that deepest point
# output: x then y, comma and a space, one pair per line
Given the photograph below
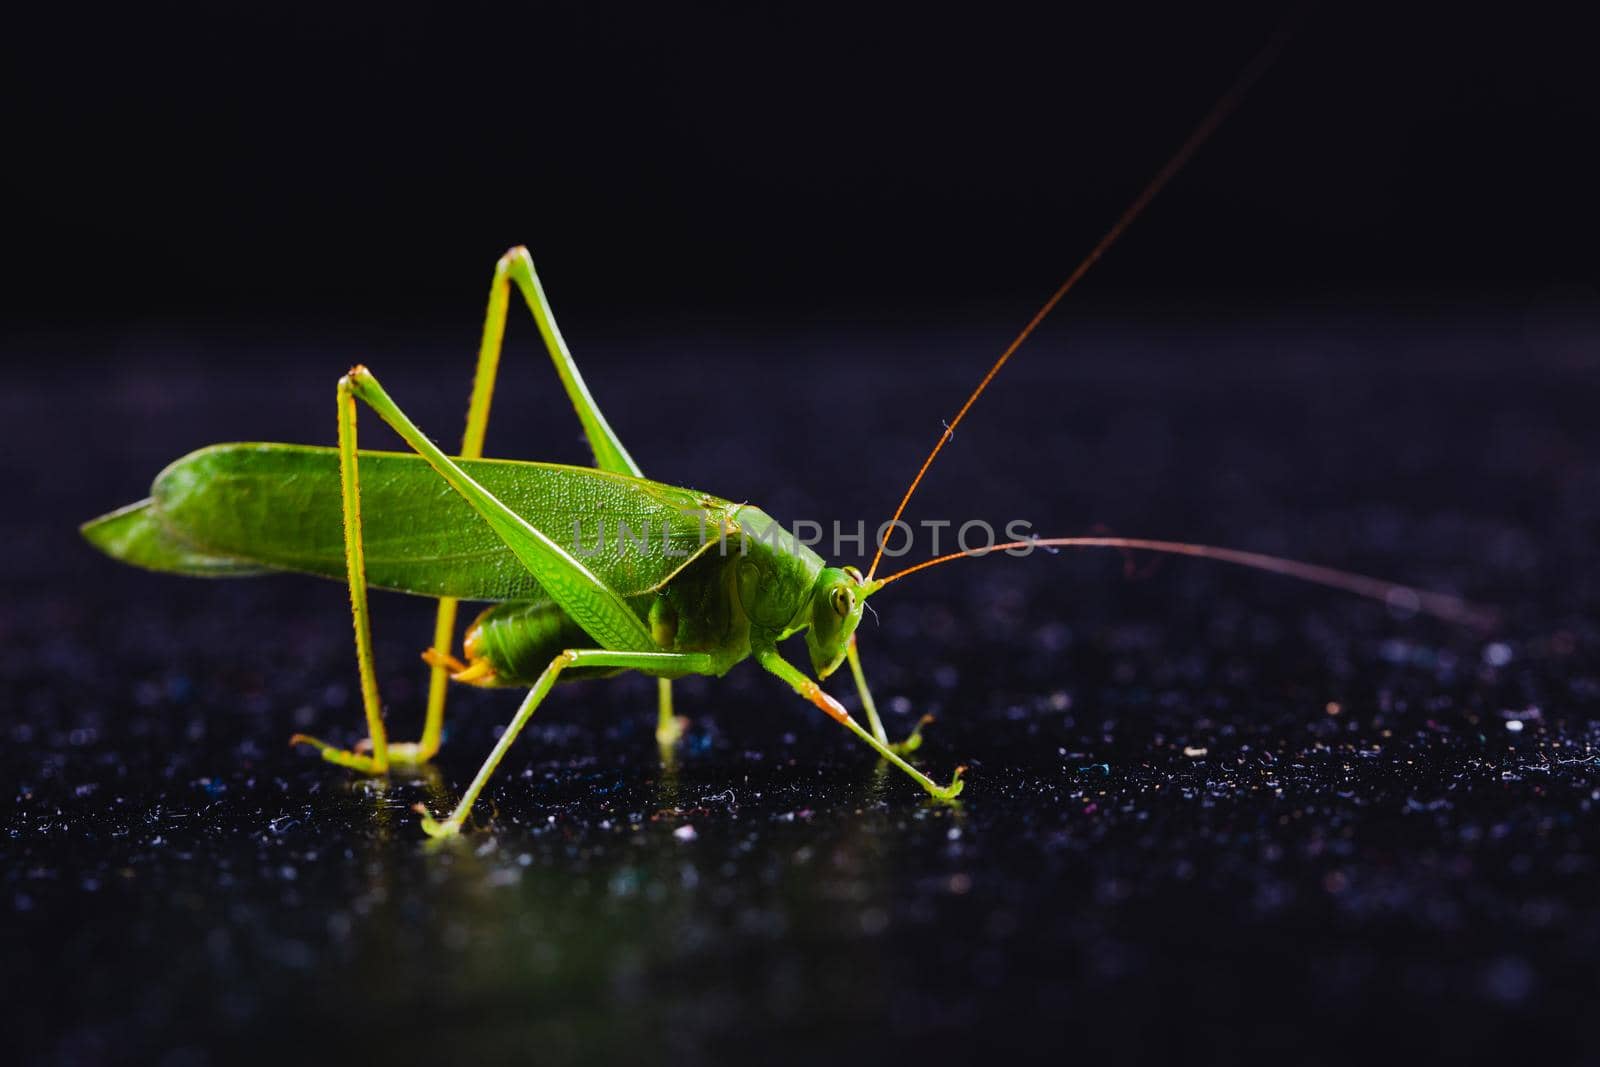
1210, 813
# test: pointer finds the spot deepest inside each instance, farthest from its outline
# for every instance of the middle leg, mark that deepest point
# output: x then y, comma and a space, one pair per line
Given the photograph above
677, 662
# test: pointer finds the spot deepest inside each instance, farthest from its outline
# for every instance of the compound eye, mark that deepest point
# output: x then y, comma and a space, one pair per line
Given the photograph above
843, 600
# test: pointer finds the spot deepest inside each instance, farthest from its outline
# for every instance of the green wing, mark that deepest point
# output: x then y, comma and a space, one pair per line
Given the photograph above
135, 534
239, 509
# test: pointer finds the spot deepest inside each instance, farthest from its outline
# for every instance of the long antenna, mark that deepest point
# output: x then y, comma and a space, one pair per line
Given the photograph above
1442, 605
1208, 125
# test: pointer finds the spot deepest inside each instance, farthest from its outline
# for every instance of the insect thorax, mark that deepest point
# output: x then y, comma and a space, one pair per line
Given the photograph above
775, 573
758, 581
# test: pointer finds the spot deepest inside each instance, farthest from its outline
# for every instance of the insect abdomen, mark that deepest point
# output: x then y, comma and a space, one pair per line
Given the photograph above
516, 642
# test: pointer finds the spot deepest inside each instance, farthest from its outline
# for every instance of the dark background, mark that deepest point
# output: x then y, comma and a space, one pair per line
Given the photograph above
1212, 814
371, 160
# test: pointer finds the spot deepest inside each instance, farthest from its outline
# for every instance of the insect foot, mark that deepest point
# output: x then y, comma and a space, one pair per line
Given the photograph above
406, 755
671, 730
434, 828
355, 761
951, 791
913, 740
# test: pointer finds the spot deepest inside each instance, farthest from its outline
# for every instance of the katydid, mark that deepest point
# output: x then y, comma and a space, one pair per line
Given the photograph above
711, 587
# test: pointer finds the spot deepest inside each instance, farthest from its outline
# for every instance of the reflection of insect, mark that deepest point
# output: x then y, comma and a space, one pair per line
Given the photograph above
674, 604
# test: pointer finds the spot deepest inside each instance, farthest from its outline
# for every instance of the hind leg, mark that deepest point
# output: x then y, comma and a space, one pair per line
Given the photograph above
598, 609
373, 757
515, 268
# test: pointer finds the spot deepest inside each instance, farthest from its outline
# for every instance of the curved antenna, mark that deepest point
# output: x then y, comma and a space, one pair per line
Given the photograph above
1208, 125
1440, 605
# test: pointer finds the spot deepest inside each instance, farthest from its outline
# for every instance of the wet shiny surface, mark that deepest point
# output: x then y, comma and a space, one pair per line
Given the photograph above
1209, 814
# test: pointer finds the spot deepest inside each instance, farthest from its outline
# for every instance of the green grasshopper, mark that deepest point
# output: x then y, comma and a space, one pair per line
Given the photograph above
680, 603
467, 528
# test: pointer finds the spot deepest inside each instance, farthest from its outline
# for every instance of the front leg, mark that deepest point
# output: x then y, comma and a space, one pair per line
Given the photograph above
913, 740
776, 664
